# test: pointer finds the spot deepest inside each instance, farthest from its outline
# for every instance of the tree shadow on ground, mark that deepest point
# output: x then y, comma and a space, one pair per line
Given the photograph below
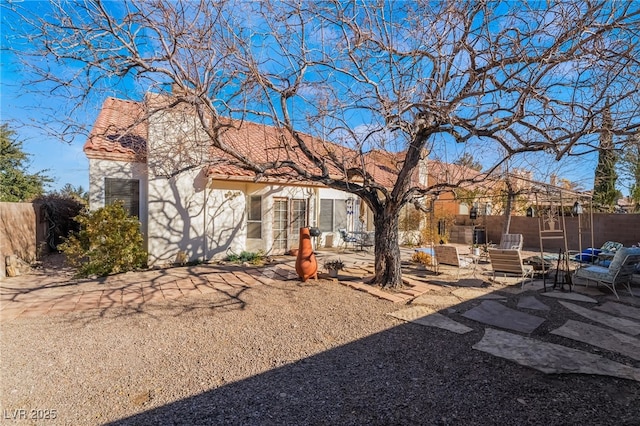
408, 374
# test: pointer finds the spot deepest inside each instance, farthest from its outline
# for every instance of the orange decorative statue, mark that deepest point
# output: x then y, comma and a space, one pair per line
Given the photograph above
306, 263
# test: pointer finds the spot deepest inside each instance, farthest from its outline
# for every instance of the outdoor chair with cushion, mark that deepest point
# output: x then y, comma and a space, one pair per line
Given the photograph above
509, 261
591, 255
620, 270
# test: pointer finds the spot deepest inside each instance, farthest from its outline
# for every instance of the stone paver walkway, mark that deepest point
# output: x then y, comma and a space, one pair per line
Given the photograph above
41, 294
47, 292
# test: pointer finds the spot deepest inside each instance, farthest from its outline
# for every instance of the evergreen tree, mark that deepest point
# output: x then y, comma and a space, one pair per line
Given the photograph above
16, 184
467, 160
630, 161
605, 194
77, 193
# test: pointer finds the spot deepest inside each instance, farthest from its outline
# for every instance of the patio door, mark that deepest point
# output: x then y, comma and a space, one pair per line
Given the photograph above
288, 217
280, 226
298, 220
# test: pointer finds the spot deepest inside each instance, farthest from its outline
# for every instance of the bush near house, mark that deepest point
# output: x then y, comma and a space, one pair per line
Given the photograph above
422, 258
109, 242
256, 258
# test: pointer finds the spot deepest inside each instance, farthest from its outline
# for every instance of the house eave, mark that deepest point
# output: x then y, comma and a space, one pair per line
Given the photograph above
115, 156
264, 180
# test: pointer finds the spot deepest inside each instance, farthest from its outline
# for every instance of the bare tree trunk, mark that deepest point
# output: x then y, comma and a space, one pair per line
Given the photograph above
507, 213
387, 249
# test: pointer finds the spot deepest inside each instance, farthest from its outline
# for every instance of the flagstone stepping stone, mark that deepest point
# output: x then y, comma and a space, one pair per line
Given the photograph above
620, 310
531, 302
590, 291
550, 358
570, 296
429, 317
496, 314
600, 337
436, 300
517, 289
621, 324
476, 293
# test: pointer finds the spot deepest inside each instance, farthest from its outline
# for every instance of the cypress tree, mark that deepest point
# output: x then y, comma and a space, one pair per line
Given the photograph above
605, 194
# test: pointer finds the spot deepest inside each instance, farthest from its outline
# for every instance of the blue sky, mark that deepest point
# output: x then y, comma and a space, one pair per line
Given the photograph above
66, 162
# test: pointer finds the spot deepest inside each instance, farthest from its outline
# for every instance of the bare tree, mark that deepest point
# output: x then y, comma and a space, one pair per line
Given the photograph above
412, 79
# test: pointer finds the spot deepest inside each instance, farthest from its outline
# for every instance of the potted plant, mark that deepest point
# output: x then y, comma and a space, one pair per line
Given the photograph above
333, 266
475, 249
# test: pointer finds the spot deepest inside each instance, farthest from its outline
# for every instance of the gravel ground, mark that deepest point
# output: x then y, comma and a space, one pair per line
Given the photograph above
289, 353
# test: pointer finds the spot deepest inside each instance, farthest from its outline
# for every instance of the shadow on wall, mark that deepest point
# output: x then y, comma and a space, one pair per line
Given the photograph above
224, 222
188, 221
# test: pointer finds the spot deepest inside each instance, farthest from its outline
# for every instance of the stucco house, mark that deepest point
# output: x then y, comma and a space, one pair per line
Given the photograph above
195, 202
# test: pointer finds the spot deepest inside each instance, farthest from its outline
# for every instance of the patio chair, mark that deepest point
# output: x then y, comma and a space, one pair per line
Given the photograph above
448, 255
509, 261
620, 270
366, 240
591, 255
346, 238
511, 242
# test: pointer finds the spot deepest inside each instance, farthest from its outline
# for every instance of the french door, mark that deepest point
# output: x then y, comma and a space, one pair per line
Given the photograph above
288, 217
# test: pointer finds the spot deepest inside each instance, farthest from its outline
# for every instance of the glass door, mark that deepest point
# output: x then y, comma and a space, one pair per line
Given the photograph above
298, 220
280, 226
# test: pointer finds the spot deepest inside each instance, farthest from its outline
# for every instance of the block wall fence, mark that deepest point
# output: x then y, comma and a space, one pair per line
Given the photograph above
623, 228
21, 232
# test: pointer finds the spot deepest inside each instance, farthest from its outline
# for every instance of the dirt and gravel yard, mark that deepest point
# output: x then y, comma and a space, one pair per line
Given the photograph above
283, 353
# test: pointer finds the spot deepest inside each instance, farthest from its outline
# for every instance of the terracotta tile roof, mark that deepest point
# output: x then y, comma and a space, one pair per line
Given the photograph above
385, 166
441, 172
119, 133
268, 145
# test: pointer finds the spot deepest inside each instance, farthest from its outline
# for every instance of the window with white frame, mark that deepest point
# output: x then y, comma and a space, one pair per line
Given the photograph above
254, 217
333, 214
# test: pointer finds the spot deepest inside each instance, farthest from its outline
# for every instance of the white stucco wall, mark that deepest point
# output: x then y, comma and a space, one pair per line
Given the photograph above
226, 226
101, 169
176, 218
178, 195
208, 221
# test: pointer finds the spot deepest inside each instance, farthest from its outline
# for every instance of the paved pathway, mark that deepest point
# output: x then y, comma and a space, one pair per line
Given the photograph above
52, 292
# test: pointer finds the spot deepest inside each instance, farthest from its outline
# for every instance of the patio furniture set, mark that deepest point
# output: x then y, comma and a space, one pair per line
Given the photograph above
612, 265
363, 240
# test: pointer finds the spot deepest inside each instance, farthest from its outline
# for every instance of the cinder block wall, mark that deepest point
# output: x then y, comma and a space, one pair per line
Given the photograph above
624, 228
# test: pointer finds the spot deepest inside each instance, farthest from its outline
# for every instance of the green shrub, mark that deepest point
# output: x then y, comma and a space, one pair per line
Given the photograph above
109, 242
256, 258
